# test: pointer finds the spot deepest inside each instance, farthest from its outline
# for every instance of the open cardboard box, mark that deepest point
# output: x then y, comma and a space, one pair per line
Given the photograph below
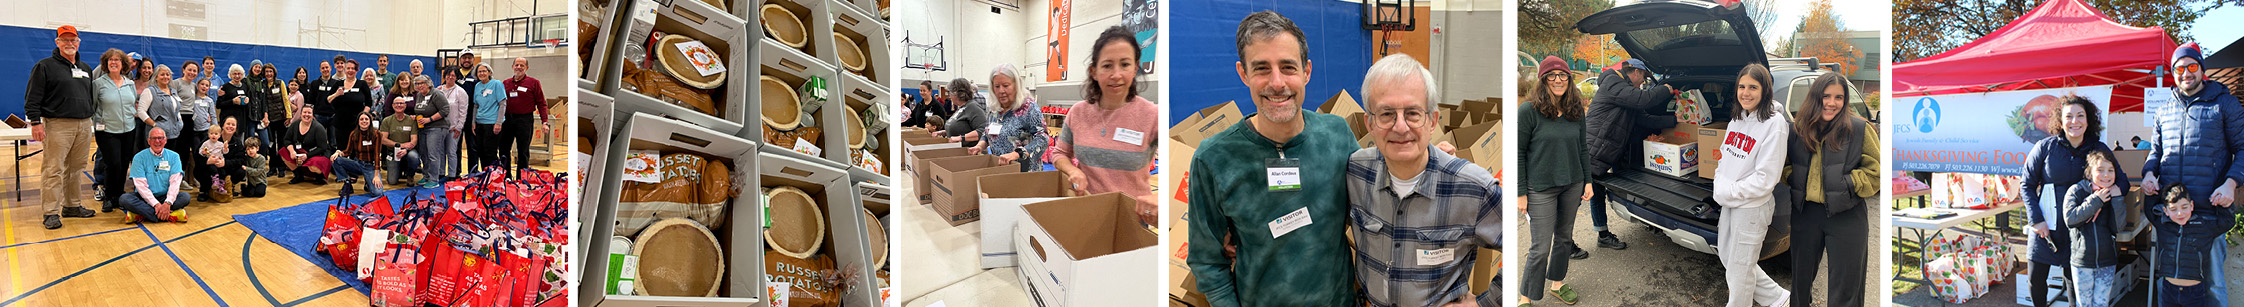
858, 94
1673, 152
795, 69
1479, 143
596, 122
817, 26
1206, 123
611, 20
925, 188
955, 182
1087, 251
869, 33
830, 188
1001, 198
1341, 105
744, 283
723, 33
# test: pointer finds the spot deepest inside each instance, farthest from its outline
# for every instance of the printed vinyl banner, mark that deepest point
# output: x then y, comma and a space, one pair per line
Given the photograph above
1055, 40
1984, 133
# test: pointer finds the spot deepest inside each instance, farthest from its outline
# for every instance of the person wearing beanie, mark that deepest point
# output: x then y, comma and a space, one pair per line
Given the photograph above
2195, 142
1557, 172
1619, 118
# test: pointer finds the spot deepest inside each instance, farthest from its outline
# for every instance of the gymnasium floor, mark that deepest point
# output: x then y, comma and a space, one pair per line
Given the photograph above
209, 261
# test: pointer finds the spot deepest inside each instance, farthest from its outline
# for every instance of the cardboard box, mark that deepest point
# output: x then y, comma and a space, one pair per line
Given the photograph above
955, 184
920, 141
744, 282
1481, 106
1206, 123
1479, 143
2134, 170
1001, 198
1712, 136
1183, 289
925, 188
1341, 105
1674, 152
1087, 251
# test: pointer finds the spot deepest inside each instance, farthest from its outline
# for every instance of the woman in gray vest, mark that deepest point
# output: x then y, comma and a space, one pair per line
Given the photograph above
1831, 167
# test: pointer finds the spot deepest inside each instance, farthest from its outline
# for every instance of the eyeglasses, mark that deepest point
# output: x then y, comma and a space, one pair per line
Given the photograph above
67, 40
1388, 117
2192, 68
1554, 77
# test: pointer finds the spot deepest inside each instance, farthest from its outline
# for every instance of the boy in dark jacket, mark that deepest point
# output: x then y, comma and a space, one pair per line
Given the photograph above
2185, 235
2095, 258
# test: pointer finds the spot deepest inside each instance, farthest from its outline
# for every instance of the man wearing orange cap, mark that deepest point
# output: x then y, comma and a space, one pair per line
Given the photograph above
59, 99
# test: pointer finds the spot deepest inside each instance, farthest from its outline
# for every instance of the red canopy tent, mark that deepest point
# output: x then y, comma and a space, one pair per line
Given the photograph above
2062, 43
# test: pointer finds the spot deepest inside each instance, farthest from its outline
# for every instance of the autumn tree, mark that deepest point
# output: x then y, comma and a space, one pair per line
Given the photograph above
1923, 28
1821, 37
1546, 27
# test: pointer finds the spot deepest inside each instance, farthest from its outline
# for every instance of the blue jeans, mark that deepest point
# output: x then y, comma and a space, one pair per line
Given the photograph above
403, 169
346, 168
132, 202
2167, 294
438, 152
2220, 271
2092, 287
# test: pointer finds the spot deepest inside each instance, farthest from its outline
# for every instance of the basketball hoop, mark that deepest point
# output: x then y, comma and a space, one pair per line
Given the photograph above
552, 42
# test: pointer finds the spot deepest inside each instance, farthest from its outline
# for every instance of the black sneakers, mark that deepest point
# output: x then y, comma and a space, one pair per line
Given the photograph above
53, 221
77, 212
1609, 241
1579, 254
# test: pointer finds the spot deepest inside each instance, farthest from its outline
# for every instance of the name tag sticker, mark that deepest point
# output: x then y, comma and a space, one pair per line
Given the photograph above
1129, 136
1286, 224
1436, 256
78, 73
1284, 174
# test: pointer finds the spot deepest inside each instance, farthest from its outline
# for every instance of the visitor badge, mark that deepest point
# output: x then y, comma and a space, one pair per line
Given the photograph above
78, 73
1286, 224
366, 143
1126, 135
99, 126
521, 88
1437, 256
486, 92
354, 90
163, 166
511, 95
240, 92
1284, 174
994, 128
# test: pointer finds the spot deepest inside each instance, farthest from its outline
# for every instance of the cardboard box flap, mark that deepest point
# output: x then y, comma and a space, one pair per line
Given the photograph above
1341, 105
1090, 226
1207, 122
962, 164
1025, 185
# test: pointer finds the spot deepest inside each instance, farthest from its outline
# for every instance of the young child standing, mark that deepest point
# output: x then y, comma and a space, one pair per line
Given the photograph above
2095, 258
2183, 245
254, 170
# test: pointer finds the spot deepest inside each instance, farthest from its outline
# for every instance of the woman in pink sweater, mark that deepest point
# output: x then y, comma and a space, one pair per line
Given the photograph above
1108, 141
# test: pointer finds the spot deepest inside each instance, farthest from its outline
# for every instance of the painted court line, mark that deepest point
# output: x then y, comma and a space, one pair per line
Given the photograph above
183, 264
20, 297
65, 238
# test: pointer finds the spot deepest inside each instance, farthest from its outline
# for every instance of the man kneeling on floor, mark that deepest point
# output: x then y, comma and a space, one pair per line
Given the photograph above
154, 175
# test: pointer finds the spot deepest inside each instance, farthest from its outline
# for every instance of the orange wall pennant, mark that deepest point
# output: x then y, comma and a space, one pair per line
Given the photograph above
1055, 40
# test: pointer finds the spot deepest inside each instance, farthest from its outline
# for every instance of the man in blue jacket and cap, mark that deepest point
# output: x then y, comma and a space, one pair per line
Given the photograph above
2195, 142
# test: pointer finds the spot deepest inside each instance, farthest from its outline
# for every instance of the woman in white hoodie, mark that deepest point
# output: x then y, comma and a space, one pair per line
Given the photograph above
1753, 151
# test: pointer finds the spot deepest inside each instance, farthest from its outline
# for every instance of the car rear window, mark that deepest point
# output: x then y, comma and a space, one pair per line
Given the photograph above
1704, 34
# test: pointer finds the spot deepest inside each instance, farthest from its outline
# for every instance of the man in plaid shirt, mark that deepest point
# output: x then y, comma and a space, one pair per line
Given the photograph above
1419, 215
